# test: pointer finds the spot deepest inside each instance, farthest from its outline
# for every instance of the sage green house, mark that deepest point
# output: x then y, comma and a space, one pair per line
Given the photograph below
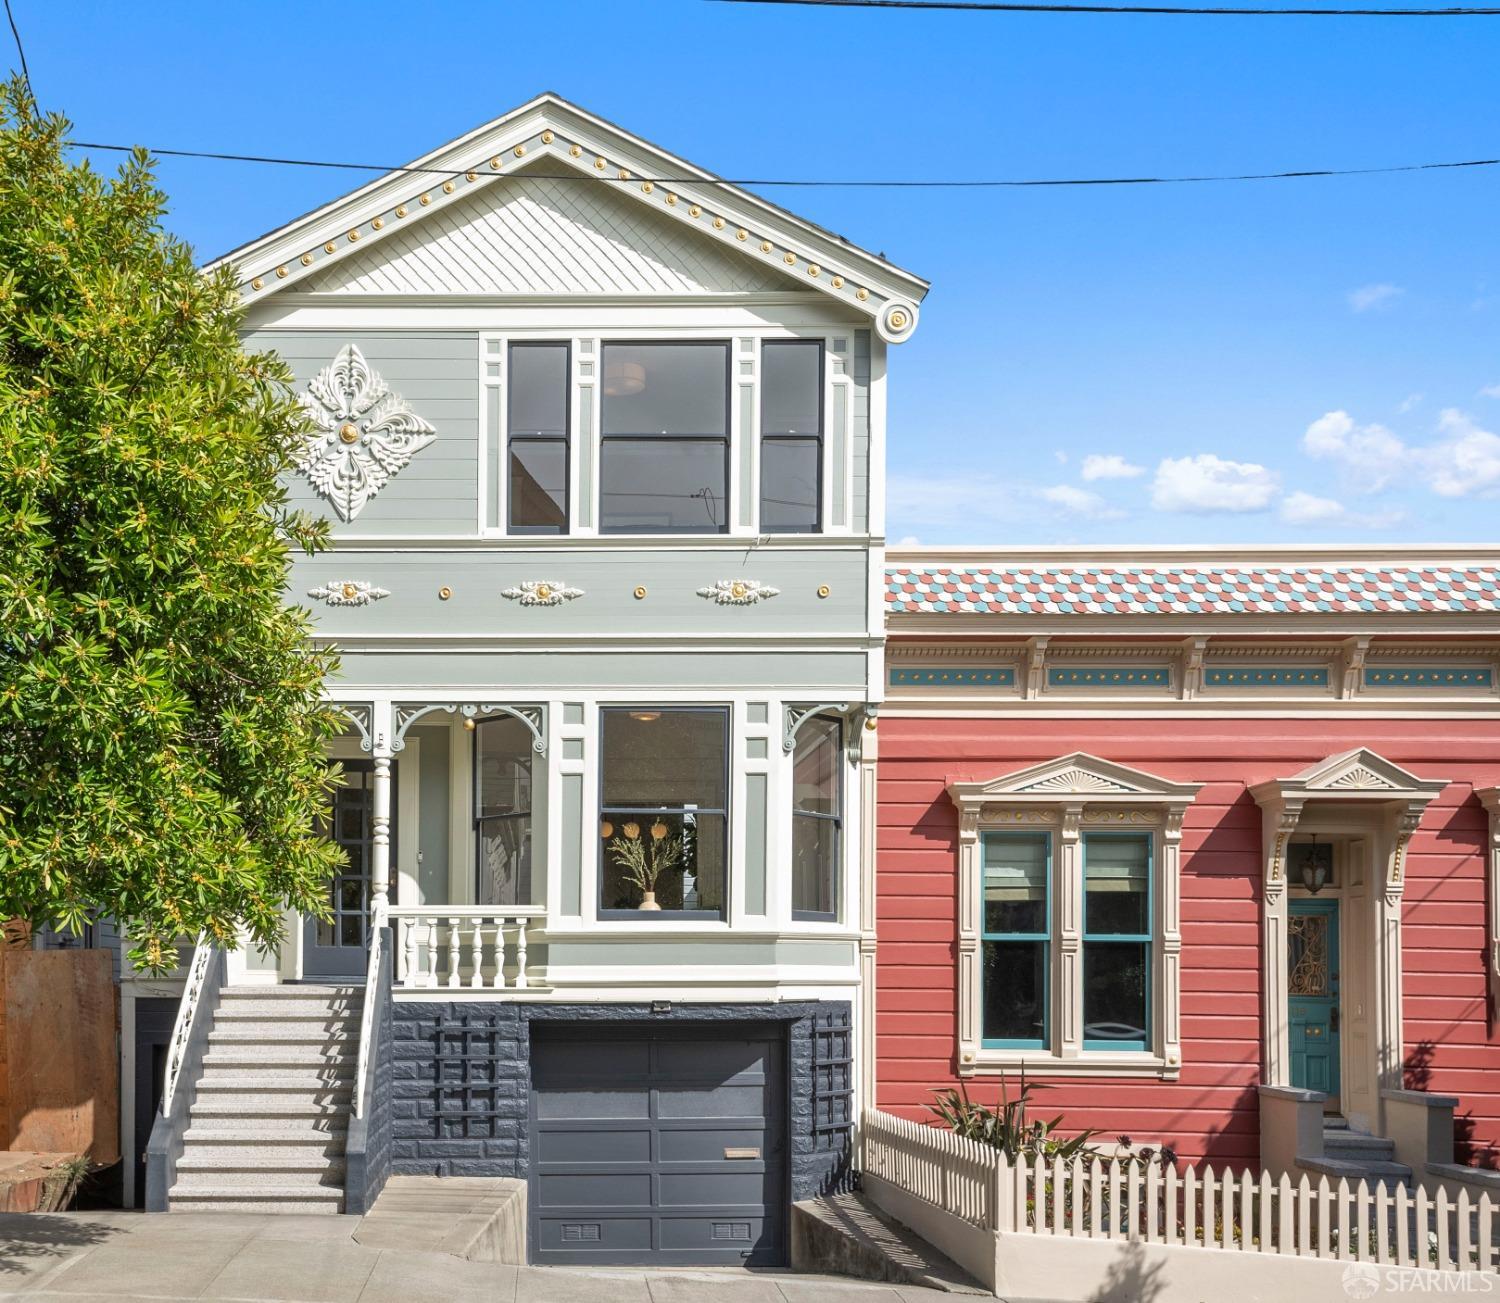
601, 439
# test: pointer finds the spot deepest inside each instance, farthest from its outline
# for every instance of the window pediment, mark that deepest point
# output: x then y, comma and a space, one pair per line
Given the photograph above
1078, 778
1360, 774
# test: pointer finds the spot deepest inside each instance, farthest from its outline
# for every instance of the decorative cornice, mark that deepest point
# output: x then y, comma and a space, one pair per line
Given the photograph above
541, 592
348, 592
738, 592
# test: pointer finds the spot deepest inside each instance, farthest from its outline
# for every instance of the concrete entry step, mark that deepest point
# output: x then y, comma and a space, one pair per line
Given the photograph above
479, 1218
846, 1235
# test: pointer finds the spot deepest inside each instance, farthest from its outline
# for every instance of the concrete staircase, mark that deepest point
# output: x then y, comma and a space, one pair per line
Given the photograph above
267, 1127
1356, 1156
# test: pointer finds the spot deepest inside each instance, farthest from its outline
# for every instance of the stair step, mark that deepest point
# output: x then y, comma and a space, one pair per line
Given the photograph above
1371, 1172
322, 1146
293, 1020
262, 1199
290, 1034
312, 1066
1356, 1141
292, 991
276, 1009
270, 1114
236, 1164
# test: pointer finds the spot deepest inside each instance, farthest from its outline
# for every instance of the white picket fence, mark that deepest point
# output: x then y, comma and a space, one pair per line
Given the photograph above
1105, 1198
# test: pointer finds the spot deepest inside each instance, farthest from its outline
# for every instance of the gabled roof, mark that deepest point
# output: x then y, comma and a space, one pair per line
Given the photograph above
1078, 775
1357, 775
553, 138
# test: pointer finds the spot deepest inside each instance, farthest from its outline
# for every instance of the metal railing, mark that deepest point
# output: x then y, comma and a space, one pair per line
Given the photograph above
367, 1014
182, 1029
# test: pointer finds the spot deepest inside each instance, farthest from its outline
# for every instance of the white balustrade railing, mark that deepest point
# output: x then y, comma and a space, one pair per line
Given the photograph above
484, 947
367, 1013
1103, 1198
182, 1028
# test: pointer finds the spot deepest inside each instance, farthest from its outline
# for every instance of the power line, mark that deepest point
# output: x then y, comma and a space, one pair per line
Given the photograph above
998, 6
20, 50
831, 183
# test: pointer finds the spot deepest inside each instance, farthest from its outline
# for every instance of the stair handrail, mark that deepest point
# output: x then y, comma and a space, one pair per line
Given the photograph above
367, 1014
182, 1028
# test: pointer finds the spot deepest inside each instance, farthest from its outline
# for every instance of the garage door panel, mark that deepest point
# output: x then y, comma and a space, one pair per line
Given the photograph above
571, 1105
712, 1060
594, 1147
743, 1190
585, 1236
716, 1231
604, 1060
711, 1102
594, 1190
707, 1145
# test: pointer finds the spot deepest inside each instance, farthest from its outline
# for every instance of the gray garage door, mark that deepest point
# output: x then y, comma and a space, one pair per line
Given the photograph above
658, 1145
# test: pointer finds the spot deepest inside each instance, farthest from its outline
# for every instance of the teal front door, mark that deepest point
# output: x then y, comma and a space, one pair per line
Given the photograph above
1313, 994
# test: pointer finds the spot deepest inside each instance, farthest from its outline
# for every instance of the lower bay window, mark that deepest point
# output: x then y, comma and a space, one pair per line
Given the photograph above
1069, 926
502, 811
817, 822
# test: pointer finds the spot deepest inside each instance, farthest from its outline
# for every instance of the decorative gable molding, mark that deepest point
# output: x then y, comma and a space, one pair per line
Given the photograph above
1357, 771
1076, 780
589, 152
1089, 778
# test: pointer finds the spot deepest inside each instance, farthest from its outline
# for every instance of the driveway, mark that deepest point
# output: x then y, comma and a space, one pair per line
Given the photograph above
314, 1259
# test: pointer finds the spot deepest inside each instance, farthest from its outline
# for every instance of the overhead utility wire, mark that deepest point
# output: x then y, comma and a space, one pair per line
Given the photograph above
20, 50
1000, 6
825, 183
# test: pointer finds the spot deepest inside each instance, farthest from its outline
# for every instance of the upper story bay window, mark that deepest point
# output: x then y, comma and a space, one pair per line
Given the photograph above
664, 452
791, 436
664, 807
537, 434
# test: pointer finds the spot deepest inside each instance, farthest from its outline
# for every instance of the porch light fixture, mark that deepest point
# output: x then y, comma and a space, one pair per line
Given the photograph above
621, 379
646, 716
1314, 865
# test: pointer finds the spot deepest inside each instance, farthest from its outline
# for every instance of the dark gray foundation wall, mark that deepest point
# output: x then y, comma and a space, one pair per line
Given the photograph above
460, 1081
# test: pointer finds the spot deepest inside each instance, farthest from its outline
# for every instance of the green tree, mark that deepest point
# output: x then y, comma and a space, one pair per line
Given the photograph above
161, 725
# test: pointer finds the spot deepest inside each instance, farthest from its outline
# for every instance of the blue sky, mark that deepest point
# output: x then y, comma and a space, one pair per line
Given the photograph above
1286, 361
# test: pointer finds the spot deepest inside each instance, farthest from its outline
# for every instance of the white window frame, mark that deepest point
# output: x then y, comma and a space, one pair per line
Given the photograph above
1068, 798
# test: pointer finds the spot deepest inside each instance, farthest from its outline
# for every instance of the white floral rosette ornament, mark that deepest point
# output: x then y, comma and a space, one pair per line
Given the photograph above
365, 433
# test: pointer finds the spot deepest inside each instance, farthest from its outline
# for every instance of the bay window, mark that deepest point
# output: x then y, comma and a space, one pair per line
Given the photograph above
664, 450
817, 825
537, 439
502, 811
664, 805
791, 436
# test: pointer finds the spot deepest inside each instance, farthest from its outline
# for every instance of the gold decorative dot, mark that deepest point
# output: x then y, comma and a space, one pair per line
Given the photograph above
353, 236
861, 294
837, 282
623, 174
547, 137
349, 432
468, 725
789, 258
694, 211
519, 150
401, 211
425, 200
256, 283
599, 164
329, 247
447, 187
471, 175
813, 269
495, 163
640, 592
544, 591
351, 590
306, 260
718, 223
574, 151
646, 187
738, 589
823, 590
444, 593
281, 273
672, 199
765, 246
898, 320
377, 224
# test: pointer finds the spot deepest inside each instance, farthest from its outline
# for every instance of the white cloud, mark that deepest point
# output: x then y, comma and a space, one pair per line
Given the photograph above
1409, 402
1109, 466
1465, 462
1206, 484
1302, 508
1080, 502
1062, 457
1374, 296
911, 540
1369, 455
1490, 391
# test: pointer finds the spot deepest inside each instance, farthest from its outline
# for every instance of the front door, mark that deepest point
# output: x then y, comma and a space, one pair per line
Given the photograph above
1313, 994
337, 948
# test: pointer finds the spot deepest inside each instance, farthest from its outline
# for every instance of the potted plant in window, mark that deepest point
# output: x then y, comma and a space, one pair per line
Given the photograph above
644, 859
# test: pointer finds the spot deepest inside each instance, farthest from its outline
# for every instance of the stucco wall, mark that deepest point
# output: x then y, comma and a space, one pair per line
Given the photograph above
1211, 1111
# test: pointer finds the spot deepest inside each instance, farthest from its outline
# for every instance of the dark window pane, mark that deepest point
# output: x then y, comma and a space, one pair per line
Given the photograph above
538, 389
1115, 975
539, 485
789, 484
815, 848
1015, 884
791, 387
502, 764
1117, 883
815, 767
680, 855
351, 930
655, 485
1015, 990
673, 389
505, 861
351, 893
658, 759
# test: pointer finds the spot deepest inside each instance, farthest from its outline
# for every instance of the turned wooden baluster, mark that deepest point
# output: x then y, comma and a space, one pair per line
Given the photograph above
476, 956
453, 944
520, 953
408, 952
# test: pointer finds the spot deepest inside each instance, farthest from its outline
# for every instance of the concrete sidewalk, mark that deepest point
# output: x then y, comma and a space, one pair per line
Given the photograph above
314, 1259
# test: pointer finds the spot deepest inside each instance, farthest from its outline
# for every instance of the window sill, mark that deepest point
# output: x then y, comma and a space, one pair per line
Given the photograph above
1102, 1063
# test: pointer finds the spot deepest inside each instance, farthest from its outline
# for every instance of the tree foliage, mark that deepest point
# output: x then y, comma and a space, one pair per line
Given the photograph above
162, 730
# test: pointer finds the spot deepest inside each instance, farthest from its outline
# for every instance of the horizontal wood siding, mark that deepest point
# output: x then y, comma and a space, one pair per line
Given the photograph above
1212, 1111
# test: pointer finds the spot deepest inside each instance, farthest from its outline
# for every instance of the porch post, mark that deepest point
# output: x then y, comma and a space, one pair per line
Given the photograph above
1278, 821
380, 818
1401, 821
1489, 797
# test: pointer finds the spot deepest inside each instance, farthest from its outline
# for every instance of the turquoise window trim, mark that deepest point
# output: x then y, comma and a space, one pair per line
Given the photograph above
1265, 676
1147, 939
995, 676
1043, 1041
1429, 676
1110, 676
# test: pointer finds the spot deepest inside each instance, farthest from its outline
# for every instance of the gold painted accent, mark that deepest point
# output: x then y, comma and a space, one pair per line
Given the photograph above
471, 175
543, 591
813, 269
447, 187
742, 234
838, 282
718, 223
351, 590
445, 592
349, 432
574, 151
789, 258
256, 283
468, 725
281, 273
640, 592
519, 150
599, 164
672, 199
646, 187
329, 247
695, 211
306, 260
401, 210
547, 137
898, 320
861, 294
425, 200
495, 163
824, 590
623, 174
377, 223
765, 246
738, 589
353, 236
871, 724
